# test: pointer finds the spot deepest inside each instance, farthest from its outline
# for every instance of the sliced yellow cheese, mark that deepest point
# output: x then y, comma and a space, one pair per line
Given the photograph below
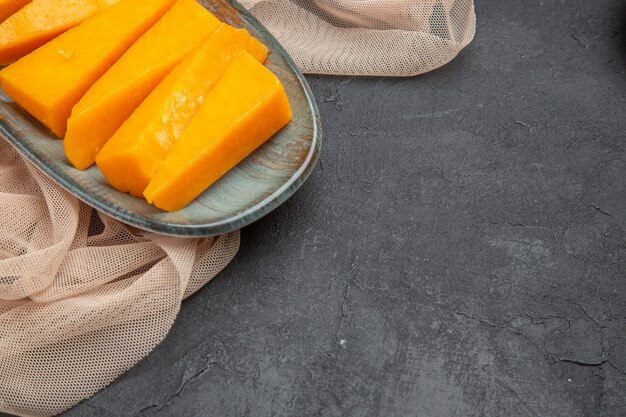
40, 21
8, 7
49, 81
132, 156
245, 108
110, 101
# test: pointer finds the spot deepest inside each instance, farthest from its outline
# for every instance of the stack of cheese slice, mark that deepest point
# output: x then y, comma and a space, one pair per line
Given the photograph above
164, 97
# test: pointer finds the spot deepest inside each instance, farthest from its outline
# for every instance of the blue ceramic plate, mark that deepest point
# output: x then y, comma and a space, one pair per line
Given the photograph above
256, 186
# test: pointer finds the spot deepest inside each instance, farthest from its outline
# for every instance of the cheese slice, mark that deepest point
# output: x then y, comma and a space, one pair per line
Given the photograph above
41, 21
8, 7
245, 108
113, 98
132, 156
48, 82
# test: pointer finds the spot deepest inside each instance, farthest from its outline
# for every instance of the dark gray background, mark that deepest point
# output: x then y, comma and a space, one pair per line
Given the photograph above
460, 250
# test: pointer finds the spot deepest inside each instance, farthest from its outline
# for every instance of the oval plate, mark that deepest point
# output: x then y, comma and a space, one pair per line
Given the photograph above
256, 186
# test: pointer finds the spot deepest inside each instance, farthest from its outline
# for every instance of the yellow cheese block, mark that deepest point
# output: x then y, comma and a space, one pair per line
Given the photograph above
132, 156
8, 7
40, 21
245, 108
113, 98
49, 81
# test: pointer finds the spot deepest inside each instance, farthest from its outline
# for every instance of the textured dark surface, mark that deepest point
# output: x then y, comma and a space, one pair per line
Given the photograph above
459, 251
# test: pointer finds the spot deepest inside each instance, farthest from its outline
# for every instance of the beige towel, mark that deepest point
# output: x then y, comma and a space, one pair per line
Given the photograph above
368, 37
